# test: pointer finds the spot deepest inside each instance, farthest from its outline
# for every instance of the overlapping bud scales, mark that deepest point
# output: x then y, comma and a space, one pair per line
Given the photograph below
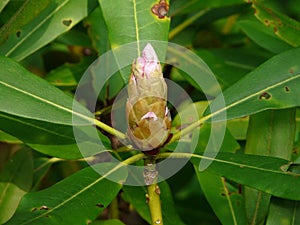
148, 117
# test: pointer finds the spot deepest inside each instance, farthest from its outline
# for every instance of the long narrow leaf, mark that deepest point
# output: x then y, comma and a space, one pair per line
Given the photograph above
273, 85
77, 199
58, 17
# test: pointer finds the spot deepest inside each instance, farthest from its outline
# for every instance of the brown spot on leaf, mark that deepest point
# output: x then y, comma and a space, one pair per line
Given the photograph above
291, 71
265, 96
160, 9
67, 22
157, 190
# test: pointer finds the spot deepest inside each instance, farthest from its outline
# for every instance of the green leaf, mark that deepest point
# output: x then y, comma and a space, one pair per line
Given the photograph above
70, 201
267, 174
4, 137
56, 18
3, 4
136, 196
133, 21
229, 144
67, 75
238, 127
262, 36
283, 26
270, 133
130, 21
48, 114
273, 85
283, 212
225, 199
41, 168
229, 67
15, 181
97, 31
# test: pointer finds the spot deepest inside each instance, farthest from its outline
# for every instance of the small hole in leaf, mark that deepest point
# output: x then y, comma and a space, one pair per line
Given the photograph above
67, 22
265, 96
18, 33
44, 208
34, 209
287, 89
267, 22
99, 205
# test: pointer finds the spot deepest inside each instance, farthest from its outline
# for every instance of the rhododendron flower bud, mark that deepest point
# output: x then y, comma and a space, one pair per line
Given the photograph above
148, 117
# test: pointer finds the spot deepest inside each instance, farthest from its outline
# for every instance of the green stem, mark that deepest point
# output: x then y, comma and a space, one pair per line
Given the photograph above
189, 128
154, 204
114, 209
50, 161
177, 155
109, 129
103, 111
185, 24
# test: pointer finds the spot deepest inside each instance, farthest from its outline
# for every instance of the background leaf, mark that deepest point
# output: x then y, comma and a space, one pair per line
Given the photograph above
260, 172
284, 27
224, 197
263, 37
283, 211
59, 203
270, 133
56, 18
52, 127
272, 85
15, 181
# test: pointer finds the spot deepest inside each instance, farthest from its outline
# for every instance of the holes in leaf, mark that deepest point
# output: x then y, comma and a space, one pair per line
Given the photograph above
33, 210
99, 205
44, 208
267, 22
287, 89
160, 9
18, 33
265, 96
67, 22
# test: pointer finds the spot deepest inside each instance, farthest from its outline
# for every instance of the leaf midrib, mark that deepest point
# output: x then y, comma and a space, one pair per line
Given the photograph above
253, 95
136, 26
88, 119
